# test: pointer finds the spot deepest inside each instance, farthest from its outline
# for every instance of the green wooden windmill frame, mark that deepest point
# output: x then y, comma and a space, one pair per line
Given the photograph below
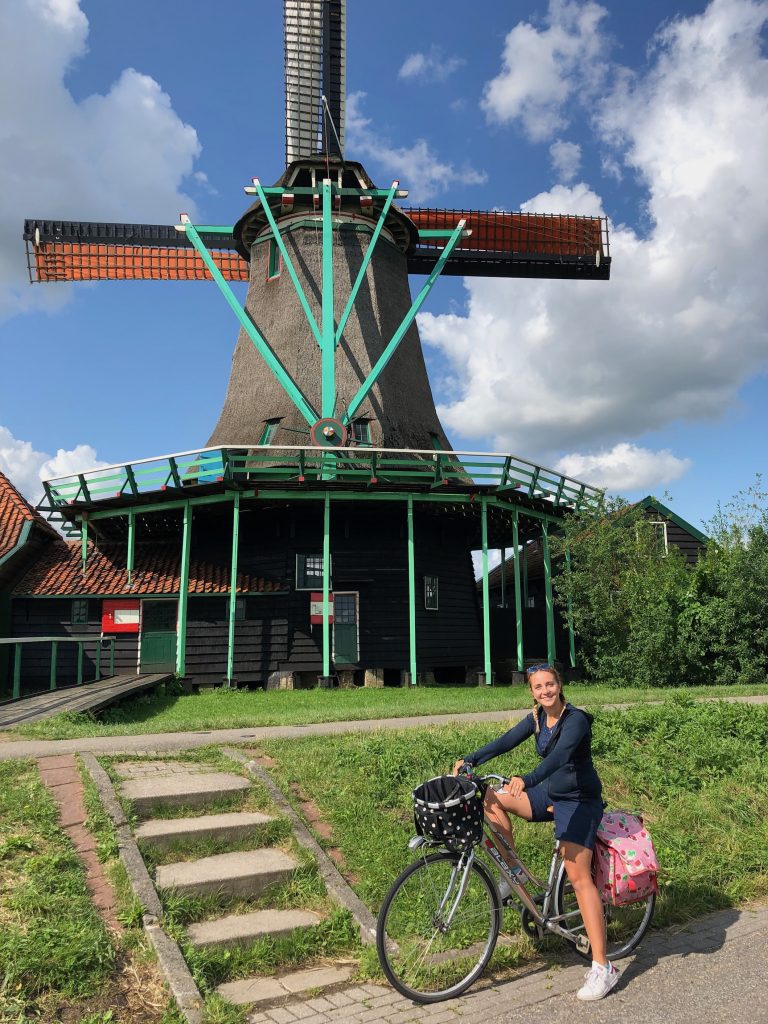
328, 333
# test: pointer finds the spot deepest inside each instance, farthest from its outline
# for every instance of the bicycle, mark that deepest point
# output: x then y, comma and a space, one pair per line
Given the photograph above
440, 921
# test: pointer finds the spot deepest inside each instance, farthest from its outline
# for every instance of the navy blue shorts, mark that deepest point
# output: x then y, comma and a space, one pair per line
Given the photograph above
575, 821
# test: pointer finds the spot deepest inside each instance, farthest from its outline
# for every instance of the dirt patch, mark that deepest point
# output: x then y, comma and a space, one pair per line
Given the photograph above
135, 994
62, 779
263, 759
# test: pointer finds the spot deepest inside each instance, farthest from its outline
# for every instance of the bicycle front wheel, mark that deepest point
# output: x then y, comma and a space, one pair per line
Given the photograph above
429, 947
624, 926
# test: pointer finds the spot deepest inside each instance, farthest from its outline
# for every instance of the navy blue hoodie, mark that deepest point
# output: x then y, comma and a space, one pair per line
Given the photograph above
566, 760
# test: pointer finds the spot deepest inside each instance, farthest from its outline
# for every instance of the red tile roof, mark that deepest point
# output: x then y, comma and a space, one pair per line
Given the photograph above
15, 511
156, 571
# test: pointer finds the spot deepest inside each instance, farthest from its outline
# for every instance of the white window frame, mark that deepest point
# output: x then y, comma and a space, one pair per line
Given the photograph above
436, 606
656, 523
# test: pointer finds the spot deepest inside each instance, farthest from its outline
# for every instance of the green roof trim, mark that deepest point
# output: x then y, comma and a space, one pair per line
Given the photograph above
654, 503
26, 529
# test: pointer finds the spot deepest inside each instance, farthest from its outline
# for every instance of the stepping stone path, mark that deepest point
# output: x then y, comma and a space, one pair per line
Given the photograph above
154, 785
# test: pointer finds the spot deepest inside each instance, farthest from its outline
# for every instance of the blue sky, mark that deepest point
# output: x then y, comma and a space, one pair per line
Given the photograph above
654, 114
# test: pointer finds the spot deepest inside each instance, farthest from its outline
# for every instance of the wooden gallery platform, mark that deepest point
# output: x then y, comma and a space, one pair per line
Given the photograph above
86, 697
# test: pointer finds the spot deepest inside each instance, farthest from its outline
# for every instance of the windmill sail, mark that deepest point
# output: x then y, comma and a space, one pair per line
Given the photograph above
315, 66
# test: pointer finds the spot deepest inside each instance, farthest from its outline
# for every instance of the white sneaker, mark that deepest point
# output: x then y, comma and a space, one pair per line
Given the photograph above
599, 982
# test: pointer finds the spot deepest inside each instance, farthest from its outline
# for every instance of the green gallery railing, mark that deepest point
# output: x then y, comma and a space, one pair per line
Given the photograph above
18, 643
363, 465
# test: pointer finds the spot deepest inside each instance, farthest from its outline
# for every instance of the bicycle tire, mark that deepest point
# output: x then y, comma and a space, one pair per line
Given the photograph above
625, 926
422, 962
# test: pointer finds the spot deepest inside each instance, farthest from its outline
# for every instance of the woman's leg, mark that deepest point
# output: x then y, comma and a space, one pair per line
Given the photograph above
498, 807
578, 865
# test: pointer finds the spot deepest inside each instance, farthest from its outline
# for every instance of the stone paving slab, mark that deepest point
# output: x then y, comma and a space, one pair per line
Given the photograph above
164, 832
150, 769
236, 928
236, 874
147, 794
259, 991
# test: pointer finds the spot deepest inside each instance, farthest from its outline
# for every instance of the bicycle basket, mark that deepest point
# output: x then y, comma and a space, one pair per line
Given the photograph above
449, 810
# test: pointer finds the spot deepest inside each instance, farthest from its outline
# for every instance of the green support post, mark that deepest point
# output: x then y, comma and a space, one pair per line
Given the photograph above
366, 260
233, 589
16, 671
551, 652
181, 625
111, 655
411, 593
84, 542
571, 634
503, 577
282, 376
79, 662
131, 544
54, 659
397, 337
328, 342
288, 262
486, 594
518, 596
326, 584
98, 659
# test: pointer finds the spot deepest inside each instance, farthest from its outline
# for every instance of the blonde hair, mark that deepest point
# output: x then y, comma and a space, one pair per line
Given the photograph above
536, 706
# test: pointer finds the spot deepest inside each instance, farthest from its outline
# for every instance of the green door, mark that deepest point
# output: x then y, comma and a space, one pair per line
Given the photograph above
345, 629
158, 636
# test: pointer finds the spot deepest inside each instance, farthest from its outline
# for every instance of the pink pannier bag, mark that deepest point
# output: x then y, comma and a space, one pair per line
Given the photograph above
624, 864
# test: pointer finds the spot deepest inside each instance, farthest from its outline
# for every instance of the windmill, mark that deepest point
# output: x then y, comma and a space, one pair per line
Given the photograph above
329, 406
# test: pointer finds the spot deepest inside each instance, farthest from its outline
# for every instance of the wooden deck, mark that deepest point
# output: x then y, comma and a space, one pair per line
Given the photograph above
87, 697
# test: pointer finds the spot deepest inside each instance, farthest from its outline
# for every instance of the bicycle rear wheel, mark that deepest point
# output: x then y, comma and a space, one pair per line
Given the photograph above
624, 926
424, 958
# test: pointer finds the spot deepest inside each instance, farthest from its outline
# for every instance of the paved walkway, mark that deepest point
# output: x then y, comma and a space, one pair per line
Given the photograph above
166, 742
710, 973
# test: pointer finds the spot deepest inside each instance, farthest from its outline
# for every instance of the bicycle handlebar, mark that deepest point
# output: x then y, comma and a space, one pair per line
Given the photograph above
468, 770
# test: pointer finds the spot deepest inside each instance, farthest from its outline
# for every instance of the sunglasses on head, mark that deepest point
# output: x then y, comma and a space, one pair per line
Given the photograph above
543, 667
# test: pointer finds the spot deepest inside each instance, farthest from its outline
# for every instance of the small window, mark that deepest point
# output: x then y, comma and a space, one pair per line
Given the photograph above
430, 593
79, 611
275, 260
239, 609
361, 431
269, 431
309, 572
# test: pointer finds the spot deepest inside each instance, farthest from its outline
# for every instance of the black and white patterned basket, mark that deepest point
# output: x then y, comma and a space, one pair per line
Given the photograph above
449, 810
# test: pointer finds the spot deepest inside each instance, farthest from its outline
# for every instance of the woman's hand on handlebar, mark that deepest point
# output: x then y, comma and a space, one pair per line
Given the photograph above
515, 786
462, 764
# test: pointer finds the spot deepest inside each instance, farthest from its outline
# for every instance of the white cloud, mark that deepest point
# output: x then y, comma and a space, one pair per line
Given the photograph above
120, 156
625, 467
541, 68
434, 66
566, 159
574, 199
26, 468
547, 366
417, 167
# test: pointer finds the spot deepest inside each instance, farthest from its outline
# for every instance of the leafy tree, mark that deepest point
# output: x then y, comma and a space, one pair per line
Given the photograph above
626, 595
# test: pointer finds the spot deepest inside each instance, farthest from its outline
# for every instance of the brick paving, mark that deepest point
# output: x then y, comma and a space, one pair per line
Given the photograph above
61, 777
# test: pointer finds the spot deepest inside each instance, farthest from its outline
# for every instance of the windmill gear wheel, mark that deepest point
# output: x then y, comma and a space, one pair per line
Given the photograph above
328, 432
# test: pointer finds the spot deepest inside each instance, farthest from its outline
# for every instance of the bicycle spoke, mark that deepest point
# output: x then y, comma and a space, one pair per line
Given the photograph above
422, 955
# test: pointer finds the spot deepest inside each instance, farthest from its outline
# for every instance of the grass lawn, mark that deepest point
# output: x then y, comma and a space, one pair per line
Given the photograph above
695, 771
58, 960
229, 709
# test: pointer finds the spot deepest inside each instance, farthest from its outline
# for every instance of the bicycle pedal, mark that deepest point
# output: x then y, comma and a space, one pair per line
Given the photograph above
582, 944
